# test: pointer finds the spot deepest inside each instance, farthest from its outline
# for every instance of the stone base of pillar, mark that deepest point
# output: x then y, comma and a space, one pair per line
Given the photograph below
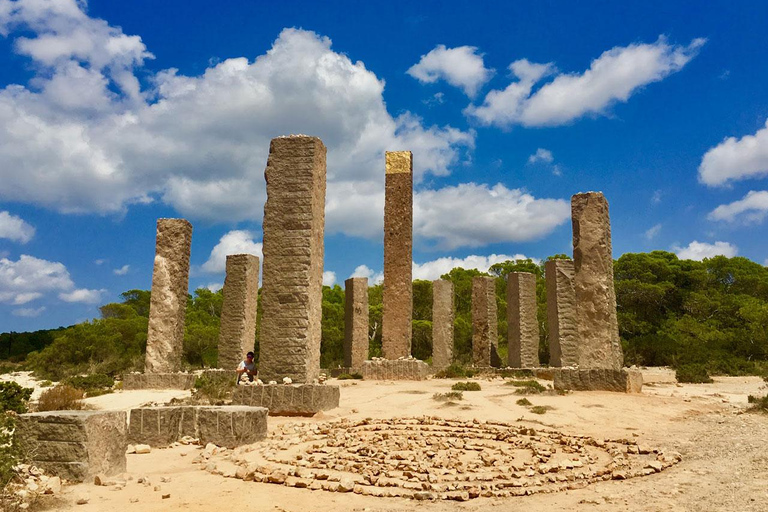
598, 379
158, 381
75, 445
395, 369
289, 399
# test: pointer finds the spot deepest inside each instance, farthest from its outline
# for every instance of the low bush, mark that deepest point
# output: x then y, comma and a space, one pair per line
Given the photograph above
693, 373
446, 397
526, 387
9, 452
13, 397
466, 386
214, 387
46, 384
524, 402
455, 371
93, 385
61, 398
348, 376
541, 409
759, 403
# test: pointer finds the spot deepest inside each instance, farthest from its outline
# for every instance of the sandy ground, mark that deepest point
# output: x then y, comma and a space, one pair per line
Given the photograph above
724, 467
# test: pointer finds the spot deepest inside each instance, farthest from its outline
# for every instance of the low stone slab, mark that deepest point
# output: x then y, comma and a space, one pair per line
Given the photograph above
75, 445
599, 379
289, 400
395, 369
158, 381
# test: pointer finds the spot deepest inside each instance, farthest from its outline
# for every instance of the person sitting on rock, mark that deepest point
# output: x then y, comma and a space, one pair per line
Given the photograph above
247, 367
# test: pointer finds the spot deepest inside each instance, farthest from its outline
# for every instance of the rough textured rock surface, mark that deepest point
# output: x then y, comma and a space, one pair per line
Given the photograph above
599, 379
355, 321
397, 298
522, 324
561, 314
442, 323
238, 309
158, 381
75, 445
484, 322
289, 400
598, 328
294, 220
168, 303
397, 369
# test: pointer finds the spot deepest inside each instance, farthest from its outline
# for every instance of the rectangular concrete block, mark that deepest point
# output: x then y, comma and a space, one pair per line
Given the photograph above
398, 369
442, 323
292, 281
75, 444
237, 333
168, 302
355, 321
598, 328
561, 314
397, 295
598, 379
155, 426
484, 322
289, 400
158, 381
522, 322
231, 426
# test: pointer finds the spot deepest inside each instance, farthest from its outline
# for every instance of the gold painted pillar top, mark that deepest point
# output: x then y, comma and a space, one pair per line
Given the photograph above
399, 162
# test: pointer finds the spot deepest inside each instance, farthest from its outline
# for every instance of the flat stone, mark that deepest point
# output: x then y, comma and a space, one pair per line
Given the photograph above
133, 381
289, 400
398, 369
599, 379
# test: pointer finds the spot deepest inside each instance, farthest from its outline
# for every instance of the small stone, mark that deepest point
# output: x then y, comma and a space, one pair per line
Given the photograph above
82, 500
166, 496
52, 486
142, 449
130, 449
157, 488
134, 500
346, 484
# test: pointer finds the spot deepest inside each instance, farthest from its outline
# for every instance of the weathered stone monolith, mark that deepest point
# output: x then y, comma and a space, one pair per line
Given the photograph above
598, 330
355, 321
522, 324
561, 314
398, 255
238, 309
484, 322
168, 301
442, 323
292, 281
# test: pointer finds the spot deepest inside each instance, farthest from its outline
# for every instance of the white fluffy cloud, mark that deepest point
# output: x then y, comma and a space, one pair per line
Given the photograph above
15, 228
434, 269
541, 155
752, 208
365, 271
329, 278
613, 77
233, 242
122, 270
651, 232
700, 250
29, 278
461, 67
83, 295
28, 312
736, 159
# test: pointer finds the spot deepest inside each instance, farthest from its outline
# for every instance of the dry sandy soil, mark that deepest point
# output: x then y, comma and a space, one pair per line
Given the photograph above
724, 466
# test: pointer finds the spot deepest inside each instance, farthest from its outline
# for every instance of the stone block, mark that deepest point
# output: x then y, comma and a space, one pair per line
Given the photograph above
292, 281
168, 302
355, 321
231, 426
289, 400
561, 313
598, 328
75, 444
598, 379
238, 310
442, 323
397, 295
522, 323
398, 369
158, 381
484, 322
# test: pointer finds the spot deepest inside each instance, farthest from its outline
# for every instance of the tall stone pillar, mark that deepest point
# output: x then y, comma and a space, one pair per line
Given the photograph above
561, 314
442, 323
522, 324
238, 309
484, 322
398, 256
598, 329
168, 302
355, 322
292, 283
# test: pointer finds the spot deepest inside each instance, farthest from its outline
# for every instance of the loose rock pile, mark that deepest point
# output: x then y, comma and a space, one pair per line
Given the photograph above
433, 458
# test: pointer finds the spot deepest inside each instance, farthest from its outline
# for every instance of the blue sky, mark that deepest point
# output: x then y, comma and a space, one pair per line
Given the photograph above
113, 114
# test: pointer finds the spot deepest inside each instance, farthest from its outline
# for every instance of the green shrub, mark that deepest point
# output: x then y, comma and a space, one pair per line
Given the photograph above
455, 371
526, 387
515, 374
14, 397
214, 387
524, 402
466, 386
94, 385
46, 384
445, 397
348, 376
9, 452
541, 409
759, 403
693, 373
61, 398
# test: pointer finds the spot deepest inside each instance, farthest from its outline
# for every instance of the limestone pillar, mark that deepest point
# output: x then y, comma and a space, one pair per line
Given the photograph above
292, 281
398, 256
238, 309
598, 330
484, 322
522, 324
561, 314
355, 321
168, 302
442, 323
